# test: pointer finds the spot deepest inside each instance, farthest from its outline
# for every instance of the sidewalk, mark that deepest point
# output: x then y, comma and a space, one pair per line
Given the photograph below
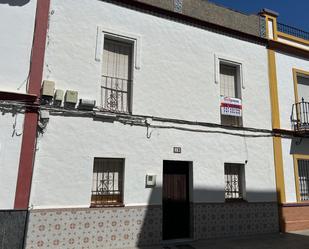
295, 240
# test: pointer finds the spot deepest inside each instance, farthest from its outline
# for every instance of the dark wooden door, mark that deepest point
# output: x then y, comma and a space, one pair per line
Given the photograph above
176, 205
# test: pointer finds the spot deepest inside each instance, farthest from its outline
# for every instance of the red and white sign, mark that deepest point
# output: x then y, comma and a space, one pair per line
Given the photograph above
231, 106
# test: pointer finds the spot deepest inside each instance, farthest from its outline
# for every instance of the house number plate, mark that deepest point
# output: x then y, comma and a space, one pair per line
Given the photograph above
177, 150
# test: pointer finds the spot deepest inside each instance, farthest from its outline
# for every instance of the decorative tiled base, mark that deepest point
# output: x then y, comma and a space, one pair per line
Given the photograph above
234, 219
94, 228
136, 226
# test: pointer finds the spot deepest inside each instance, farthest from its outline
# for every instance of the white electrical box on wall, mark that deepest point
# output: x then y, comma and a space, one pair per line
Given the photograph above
71, 97
150, 180
59, 95
48, 88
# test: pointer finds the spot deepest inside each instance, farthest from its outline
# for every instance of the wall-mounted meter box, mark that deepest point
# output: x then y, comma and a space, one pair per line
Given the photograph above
59, 95
71, 97
48, 88
86, 104
150, 180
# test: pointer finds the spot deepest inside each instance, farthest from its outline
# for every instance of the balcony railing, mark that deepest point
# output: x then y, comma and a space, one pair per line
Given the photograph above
115, 94
300, 116
292, 31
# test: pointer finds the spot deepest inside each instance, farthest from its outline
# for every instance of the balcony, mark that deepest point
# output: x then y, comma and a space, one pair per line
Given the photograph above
115, 94
293, 31
300, 117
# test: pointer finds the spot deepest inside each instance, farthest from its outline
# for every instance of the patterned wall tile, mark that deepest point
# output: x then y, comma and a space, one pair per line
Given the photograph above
136, 226
94, 228
234, 219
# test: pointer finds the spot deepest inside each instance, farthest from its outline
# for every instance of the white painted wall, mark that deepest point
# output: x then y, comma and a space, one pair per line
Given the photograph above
176, 79
288, 170
176, 61
16, 28
285, 64
64, 162
10, 143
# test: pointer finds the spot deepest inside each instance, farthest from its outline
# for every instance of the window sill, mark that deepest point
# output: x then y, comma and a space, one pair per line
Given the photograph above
106, 205
296, 204
232, 125
236, 201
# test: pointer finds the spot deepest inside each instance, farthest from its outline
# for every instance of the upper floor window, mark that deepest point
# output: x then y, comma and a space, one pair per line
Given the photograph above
230, 92
299, 115
117, 75
303, 87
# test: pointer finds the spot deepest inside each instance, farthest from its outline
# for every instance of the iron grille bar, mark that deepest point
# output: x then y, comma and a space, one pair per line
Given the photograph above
115, 94
300, 117
117, 78
112, 89
292, 31
233, 178
107, 188
303, 176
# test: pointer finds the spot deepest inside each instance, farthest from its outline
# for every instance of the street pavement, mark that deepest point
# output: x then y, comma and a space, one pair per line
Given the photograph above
295, 240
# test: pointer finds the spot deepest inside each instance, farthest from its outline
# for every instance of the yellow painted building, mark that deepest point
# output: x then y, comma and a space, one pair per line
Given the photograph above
288, 65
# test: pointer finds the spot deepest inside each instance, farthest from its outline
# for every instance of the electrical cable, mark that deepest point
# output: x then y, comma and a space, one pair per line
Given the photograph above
139, 120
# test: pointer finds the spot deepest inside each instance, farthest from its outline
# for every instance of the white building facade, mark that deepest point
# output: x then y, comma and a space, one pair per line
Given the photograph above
15, 49
17, 29
178, 144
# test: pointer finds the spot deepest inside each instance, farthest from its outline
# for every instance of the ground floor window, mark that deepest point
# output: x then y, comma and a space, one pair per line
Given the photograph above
107, 185
303, 178
234, 181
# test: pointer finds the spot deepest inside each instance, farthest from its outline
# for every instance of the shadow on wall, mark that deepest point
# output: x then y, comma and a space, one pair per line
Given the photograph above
12, 229
131, 226
299, 146
143, 225
205, 220
15, 2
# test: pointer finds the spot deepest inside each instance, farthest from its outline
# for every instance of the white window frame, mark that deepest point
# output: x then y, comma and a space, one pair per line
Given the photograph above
118, 35
135, 40
229, 61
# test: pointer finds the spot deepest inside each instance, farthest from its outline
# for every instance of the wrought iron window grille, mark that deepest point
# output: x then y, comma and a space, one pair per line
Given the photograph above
115, 94
303, 177
107, 186
234, 186
300, 116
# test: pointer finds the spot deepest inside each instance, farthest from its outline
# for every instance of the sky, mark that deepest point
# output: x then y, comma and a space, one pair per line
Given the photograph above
291, 12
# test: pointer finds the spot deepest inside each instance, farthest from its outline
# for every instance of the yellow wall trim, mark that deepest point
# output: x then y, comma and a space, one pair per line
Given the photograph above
280, 187
283, 36
292, 38
296, 175
295, 73
277, 144
274, 21
272, 74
